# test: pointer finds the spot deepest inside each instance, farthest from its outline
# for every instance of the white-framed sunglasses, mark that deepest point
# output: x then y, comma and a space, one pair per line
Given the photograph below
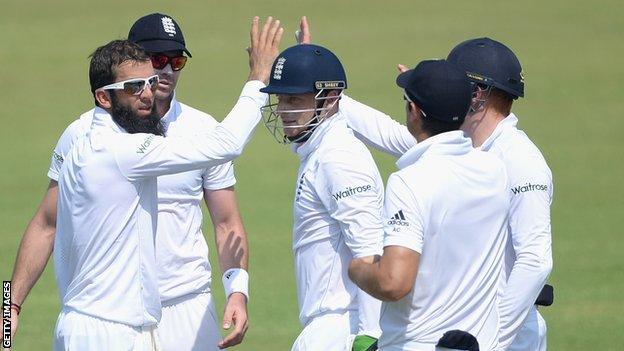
134, 86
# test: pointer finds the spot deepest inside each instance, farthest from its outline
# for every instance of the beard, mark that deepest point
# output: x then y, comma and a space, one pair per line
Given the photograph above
130, 121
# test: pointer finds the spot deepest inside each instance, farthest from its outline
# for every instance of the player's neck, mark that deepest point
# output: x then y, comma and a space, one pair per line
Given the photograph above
162, 106
480, 126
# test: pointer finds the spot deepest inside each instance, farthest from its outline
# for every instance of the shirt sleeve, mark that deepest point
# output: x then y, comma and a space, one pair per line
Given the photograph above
404, 223
147, 155
530, 231
351, 190
219, 177
375, 128
347, 186
63, 146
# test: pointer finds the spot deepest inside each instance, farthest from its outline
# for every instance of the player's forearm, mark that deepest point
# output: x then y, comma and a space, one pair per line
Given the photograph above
32, 256
370, 277
232, 248
528, 276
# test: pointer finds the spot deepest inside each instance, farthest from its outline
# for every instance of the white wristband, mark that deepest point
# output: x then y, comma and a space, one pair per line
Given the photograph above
236, 280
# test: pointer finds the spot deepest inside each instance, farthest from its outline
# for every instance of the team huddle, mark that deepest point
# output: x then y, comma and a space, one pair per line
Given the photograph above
453, 254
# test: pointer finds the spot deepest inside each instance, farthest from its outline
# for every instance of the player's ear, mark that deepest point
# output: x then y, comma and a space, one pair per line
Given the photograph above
412, 112
331, 96
103, 99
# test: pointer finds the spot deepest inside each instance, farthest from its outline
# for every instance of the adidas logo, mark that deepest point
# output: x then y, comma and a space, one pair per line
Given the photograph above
398, 219
399, 215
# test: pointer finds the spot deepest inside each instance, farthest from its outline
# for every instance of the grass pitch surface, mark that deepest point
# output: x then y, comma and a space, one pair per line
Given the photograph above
571, 53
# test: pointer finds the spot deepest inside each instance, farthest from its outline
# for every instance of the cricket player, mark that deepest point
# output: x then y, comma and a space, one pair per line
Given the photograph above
338, 200
107, 270
496, 75
445, 223
189, 317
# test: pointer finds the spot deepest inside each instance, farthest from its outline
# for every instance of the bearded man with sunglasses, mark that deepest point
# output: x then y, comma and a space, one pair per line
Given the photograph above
338, 201
107, 198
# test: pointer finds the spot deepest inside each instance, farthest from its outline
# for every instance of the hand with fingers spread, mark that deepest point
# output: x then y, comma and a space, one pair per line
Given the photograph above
264, 48
235, 314
303, 35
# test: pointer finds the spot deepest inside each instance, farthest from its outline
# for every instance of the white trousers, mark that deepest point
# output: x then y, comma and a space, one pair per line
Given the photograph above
77, 332
189, 323
532, 334
329, 332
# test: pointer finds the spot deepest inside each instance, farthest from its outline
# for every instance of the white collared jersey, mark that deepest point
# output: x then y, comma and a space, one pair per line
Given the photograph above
528, 255
181, 250
337, 216
449, 203
107, 209
528, 260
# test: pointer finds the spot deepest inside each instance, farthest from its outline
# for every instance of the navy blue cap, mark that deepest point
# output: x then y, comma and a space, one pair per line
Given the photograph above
305, 68
491, 63
439, 88
158, 33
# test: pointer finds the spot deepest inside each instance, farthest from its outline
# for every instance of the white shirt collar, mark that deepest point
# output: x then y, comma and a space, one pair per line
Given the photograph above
449, 143
510, 121
304, 149
102, 119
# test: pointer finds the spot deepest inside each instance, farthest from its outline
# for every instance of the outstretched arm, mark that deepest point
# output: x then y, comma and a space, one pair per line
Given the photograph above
147, 155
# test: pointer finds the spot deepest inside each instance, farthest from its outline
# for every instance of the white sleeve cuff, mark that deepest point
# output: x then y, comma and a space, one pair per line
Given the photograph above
404, 242
252, 88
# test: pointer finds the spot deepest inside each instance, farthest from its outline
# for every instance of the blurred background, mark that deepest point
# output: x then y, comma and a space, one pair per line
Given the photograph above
571, 52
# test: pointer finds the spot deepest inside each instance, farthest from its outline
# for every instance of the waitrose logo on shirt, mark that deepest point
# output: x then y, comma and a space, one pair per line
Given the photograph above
351, 191
529, 187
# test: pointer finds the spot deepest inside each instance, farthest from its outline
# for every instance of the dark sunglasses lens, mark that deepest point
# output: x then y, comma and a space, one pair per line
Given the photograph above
134, 87
159, 61
177, 63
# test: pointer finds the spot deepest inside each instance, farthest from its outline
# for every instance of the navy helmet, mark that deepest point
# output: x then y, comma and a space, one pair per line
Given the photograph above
303, 69
306, 68
490, 63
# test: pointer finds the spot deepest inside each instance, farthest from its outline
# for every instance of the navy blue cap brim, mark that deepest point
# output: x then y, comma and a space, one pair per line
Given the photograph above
403, 78
285, 90
159, 45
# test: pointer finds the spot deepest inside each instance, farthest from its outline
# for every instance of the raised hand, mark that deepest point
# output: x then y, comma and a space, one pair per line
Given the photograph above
303, 35
264, 48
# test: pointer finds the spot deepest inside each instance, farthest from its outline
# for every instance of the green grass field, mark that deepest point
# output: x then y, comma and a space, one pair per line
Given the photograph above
571, 52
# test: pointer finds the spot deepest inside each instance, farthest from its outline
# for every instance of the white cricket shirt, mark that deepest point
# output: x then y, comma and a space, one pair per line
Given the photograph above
528, 258
181, 249
104, 247
449, 203
337, 216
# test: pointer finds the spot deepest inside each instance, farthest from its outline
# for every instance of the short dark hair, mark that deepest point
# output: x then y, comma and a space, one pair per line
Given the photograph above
433, 126
106, 58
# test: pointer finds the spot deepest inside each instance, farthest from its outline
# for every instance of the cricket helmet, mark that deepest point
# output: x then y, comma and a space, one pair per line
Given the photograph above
490, 63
